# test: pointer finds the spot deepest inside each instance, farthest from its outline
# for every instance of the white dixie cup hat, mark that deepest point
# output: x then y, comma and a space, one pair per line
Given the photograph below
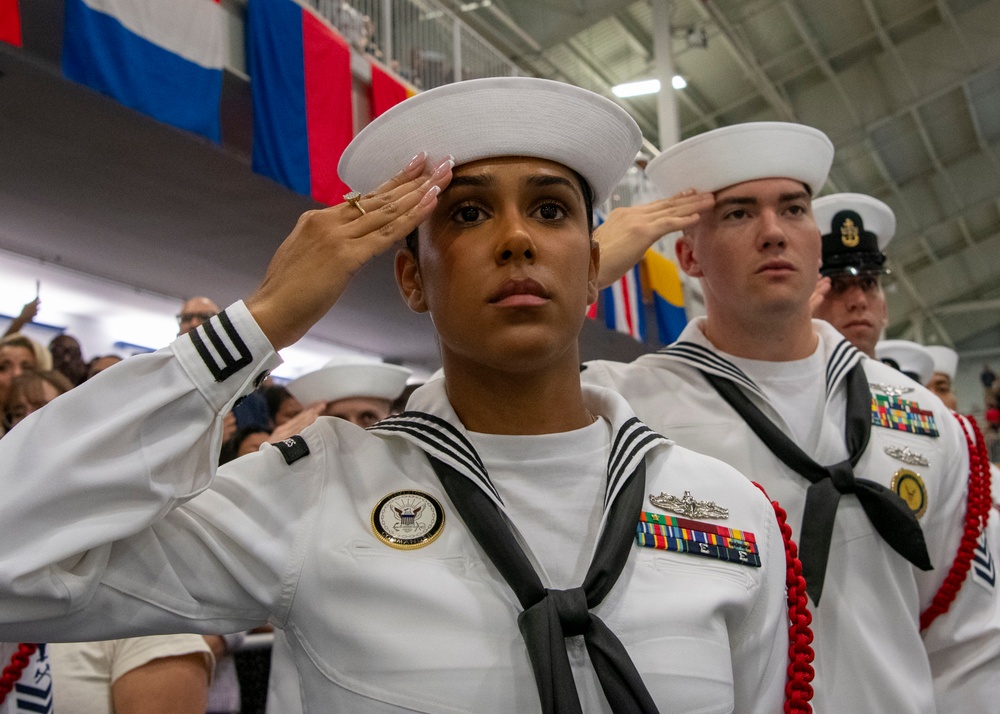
499, 116
734, 154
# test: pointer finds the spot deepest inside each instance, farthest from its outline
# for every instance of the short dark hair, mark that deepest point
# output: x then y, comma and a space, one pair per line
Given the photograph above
275, 396
412, 242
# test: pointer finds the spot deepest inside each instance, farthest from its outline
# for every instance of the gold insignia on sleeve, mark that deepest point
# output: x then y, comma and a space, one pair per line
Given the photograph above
849, 234
910, 487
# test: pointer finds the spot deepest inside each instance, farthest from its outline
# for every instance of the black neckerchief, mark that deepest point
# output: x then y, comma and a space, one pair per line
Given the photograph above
888, 513
550, 616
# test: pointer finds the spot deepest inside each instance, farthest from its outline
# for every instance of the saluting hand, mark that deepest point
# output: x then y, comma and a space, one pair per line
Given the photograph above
313, 266
629, 231
823, 286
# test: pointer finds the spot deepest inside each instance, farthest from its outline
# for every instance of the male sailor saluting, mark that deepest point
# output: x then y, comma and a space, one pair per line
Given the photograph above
787, 400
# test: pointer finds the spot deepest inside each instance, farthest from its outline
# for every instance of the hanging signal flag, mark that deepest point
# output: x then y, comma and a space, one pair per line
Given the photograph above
163, 59
303, 117
10, 23
663, 281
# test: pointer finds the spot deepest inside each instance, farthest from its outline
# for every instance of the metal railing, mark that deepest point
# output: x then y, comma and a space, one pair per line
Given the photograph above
420, 40
427, 45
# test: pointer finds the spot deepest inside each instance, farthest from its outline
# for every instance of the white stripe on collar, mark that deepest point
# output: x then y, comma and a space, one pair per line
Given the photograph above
694, 349
441, 435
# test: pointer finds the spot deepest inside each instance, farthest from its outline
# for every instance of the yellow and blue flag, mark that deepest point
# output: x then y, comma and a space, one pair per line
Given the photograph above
663, 282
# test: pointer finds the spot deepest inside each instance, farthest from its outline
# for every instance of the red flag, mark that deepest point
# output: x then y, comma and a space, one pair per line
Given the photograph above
329, 118
386, 90
10, 22
300, 69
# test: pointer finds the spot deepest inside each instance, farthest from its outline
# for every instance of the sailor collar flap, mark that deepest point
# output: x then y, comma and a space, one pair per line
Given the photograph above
693, 349
434, 428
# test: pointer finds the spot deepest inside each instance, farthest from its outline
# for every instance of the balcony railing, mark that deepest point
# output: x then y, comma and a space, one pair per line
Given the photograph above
420, 40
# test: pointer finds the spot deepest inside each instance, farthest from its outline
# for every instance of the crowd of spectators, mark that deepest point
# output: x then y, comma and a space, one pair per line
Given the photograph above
32, 374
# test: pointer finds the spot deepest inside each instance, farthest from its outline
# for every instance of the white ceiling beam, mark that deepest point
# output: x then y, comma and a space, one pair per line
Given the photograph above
641, 41
978, 129
970, 306
897, 191
805, 35
638, 38
744, 58
590, 63
946, 14
924, 312
843, 46
955, 216
889, 46
933, 155
963, 227
926, 98
900, 271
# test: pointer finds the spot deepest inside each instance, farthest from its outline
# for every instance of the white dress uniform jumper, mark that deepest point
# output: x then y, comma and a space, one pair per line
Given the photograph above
871, 655
348, 541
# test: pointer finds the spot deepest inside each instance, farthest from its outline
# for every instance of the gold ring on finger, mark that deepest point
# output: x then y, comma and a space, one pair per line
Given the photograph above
354, 198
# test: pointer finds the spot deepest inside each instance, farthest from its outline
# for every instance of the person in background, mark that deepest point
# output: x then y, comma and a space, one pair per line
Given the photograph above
67, 357
194, 312
281, 405
246, 440
359, 393
941, 383
99, 364
855, 231
910, 358
16, 357
399, 404
825, 430
30, 392
19, 355
160, 674
943, 379
27, 314
992, 417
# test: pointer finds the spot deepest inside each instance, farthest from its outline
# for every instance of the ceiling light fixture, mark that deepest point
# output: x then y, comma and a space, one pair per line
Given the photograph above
636, 89
645, 86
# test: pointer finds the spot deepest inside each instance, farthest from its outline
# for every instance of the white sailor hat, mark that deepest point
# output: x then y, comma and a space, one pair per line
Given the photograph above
911, 359
856, 229
945, 360
338, 380
744, 152
499, 116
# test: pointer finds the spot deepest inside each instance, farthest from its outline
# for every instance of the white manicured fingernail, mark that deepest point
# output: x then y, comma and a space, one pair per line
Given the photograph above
431, 194
443, 168
416, 161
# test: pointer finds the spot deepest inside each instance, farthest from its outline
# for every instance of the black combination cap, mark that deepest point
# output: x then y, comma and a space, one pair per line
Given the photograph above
849, 248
